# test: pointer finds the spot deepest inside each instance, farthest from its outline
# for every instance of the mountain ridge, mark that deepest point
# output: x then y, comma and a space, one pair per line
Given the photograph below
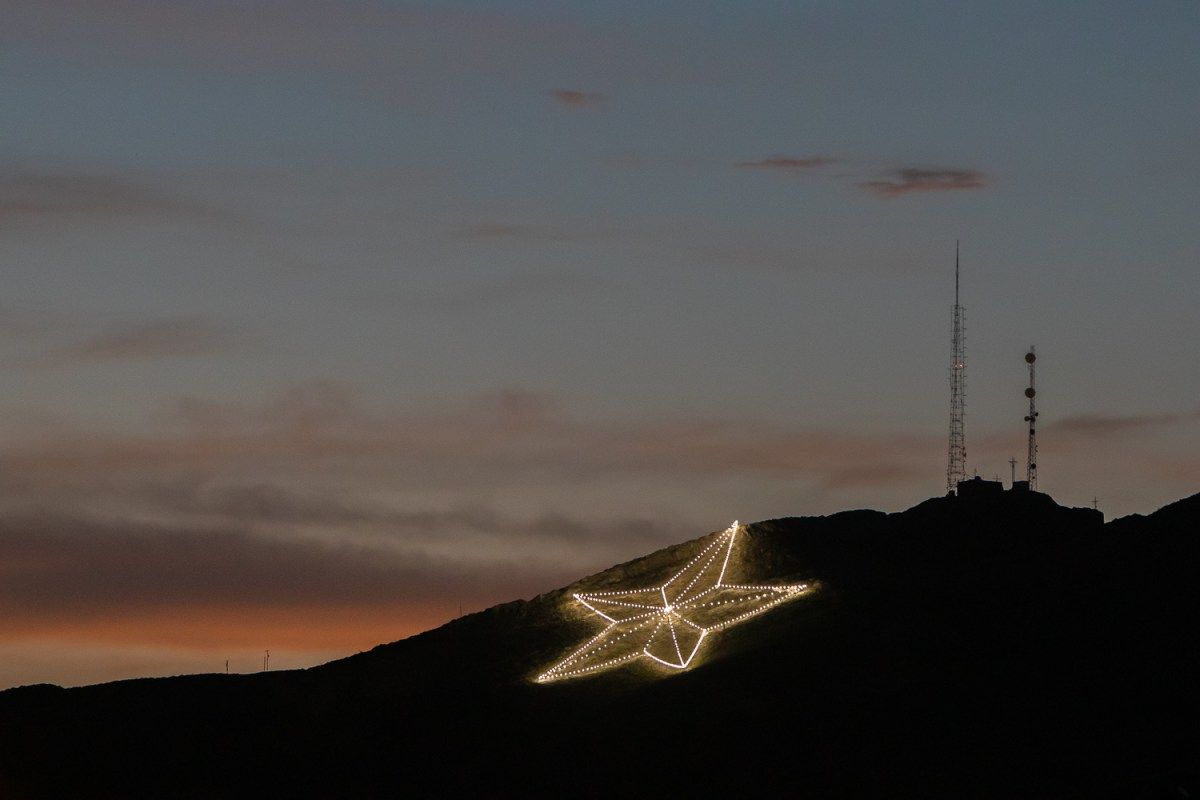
959, 646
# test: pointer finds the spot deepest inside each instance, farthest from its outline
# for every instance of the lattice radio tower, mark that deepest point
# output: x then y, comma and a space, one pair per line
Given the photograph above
1031, 459
956, 459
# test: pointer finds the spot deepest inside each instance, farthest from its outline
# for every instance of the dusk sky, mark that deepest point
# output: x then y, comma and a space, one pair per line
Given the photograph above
323, 319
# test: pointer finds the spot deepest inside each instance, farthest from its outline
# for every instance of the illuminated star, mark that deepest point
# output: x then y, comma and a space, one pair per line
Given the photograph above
668, 623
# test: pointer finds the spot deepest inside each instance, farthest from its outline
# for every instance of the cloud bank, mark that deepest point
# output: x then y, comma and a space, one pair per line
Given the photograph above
317, 521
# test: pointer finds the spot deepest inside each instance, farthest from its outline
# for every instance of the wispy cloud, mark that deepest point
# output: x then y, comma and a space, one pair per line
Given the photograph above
223, 580
88, 565
34, 195
886, 474
508, 289
789, 163
1102, 425
263, 506
501, 437
73, 575
272, 33
317, 519
23, 323
531, 233
497, 230
172, 337
575, 98
913, 179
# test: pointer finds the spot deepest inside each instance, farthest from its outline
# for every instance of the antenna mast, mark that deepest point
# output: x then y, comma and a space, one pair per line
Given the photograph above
1031, 459
956, 459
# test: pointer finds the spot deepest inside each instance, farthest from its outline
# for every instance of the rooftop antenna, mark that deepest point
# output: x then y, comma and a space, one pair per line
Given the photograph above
1031, 458
956, 459
1012, 464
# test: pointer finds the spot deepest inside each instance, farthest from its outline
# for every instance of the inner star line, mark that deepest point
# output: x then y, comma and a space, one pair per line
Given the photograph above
668, 623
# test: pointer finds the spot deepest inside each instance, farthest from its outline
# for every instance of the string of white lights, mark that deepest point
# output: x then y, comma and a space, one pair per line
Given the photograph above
587, 648
699, 574
628, 620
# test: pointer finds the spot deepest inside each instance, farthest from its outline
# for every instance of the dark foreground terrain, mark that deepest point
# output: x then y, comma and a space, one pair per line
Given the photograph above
998, 647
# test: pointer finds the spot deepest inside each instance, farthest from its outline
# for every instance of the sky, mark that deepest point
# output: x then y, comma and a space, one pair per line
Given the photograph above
322, 321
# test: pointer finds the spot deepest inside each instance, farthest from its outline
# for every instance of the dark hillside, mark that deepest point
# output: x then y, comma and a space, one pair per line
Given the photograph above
994, 647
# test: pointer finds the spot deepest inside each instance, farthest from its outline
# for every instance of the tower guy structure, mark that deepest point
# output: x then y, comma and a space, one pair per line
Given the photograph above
956, 458
1031, 393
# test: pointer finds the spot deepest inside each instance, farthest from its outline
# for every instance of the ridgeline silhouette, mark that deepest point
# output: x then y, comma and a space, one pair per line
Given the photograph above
994, 644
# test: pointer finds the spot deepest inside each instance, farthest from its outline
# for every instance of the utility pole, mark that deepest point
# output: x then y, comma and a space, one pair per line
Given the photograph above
266, 660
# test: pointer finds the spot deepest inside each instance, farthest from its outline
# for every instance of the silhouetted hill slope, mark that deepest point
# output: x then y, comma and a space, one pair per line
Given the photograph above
998, 647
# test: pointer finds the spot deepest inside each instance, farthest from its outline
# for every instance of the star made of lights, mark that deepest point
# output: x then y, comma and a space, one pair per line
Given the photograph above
668, 623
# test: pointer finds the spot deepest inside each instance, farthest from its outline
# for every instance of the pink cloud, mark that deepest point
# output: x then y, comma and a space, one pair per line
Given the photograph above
574, 98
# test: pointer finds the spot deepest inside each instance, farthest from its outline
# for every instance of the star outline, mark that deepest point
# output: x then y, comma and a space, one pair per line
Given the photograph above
584, 658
